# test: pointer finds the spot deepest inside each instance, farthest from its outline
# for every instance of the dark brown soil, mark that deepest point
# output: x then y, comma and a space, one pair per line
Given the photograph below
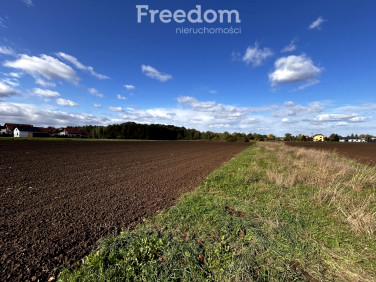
59, 197
362, 152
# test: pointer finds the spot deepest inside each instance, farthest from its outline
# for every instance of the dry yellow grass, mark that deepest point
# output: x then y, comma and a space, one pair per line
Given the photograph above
348, 186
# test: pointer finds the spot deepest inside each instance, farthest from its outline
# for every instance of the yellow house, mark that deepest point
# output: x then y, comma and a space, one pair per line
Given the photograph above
318, 138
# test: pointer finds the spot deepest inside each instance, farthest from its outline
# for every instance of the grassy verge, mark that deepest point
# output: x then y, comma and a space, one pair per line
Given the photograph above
272, 213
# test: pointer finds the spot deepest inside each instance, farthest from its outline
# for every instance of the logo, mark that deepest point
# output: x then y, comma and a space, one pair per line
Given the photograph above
194, 16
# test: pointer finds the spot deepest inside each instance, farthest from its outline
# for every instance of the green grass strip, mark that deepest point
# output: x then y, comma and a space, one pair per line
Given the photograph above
237, 225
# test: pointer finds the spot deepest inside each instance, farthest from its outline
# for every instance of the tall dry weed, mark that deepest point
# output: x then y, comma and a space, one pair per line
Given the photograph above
341, 183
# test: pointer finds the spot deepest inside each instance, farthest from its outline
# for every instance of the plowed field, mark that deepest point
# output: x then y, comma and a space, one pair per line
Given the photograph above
57, 198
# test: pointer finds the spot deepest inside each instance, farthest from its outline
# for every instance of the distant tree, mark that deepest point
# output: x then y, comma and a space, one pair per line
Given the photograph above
367, 137
250, 136
301, 137
239, 137
288, 137
334, 137
226, 136
270, 137
259, 137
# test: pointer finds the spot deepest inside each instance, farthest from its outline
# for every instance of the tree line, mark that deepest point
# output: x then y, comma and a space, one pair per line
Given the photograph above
132, 130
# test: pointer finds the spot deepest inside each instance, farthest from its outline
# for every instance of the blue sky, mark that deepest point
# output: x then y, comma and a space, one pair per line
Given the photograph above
297, 66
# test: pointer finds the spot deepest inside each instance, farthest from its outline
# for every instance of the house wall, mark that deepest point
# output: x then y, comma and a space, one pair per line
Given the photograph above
318, 138
18, 133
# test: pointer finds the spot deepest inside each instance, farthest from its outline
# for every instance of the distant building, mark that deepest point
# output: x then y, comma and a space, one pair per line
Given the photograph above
24, 131
74, 133
9, 127
352, 139
318, 138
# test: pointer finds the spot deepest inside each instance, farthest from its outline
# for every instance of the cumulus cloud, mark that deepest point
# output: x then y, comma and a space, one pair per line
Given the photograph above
349, 118
255, 56
291, 47
97, 106
289, 109
39, 116
121, 97
65, 102
95, 92
317, 23
6, 91
191, 112
129, 87
116, 109
153, 73
81, 66
211, 113
45, 93
7, 51
45, 66
294, 69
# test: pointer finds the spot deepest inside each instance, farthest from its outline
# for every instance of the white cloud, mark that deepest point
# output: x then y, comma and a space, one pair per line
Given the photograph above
7, 51
121, 97
286, 120
289, 109
294, 69
98, 106
14, 74
357, 119
81, 66
349, 118
129, 87
317, 23
191, 112
45, 66
153, 73
6, 91
116, 109
255, 56
39, 116
95, 92
342, 123
11, 82
44, 83
45, 93
65, 102
213, 91
28, 2
291, 47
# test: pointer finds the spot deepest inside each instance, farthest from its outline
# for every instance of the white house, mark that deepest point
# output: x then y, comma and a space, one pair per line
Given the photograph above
74, 133
24, 131
352, 139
